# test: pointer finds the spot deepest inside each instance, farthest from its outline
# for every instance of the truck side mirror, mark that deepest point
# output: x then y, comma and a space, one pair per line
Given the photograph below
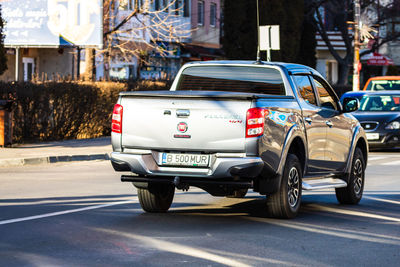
350, 104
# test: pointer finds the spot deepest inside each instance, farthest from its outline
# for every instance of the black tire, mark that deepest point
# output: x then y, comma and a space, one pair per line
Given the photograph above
352, 194
286, 202
156, 198
238, 193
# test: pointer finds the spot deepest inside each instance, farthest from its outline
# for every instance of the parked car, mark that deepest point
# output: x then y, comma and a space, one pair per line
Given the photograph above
382, 83
379, 115
352, 94
230, 126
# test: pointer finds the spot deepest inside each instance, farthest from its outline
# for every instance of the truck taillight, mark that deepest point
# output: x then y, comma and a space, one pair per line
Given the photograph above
255, 121
116, 124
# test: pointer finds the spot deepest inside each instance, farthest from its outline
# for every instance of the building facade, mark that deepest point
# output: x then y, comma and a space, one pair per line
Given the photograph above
205, 23
387, 13
148, 45
157, 41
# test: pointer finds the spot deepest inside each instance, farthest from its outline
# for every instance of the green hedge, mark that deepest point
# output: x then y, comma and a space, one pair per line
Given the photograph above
67, 110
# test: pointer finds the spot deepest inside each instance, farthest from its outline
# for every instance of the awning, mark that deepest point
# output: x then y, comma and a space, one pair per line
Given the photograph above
376, 59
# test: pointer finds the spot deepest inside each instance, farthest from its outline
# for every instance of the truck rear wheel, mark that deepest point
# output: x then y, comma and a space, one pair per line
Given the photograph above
156, 198
352, 194
286, 202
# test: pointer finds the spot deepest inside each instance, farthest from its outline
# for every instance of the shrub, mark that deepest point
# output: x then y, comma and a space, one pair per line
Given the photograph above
66, 110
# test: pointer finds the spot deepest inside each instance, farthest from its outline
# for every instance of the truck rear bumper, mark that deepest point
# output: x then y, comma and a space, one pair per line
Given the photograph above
220, 167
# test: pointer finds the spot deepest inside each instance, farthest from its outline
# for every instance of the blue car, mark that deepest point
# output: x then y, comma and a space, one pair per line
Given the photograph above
379, 115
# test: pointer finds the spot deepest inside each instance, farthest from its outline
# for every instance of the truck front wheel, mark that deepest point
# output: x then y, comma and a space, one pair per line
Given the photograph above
156, 197
352, 194
286, 202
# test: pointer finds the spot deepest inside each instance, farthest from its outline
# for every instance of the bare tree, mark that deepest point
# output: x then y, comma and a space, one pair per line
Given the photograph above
342, 11
134, 28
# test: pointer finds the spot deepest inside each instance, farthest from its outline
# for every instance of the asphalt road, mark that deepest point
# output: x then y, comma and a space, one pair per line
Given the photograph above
76, 214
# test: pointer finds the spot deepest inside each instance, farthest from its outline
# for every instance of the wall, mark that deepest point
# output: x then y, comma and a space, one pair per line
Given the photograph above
54, 61
394, 52
48, 61
9, 74
327, 65
205, 34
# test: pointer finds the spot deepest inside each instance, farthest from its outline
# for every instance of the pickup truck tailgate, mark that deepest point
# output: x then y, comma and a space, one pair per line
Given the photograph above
184, 124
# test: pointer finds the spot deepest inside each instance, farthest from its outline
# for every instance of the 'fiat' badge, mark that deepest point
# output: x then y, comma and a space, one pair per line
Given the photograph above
182, 127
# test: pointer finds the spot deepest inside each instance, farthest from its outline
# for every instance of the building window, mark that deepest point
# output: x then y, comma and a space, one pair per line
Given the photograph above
213, 14
393, 28
126, 5
157, 4
200, 13
186, 8
165, 5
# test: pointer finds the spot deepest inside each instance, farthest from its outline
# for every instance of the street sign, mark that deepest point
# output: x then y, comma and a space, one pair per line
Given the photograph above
269, 37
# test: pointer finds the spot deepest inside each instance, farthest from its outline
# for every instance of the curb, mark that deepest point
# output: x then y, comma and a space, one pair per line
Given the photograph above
52, 159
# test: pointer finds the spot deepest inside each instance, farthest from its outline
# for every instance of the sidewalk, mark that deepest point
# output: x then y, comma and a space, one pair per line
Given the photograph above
59, 151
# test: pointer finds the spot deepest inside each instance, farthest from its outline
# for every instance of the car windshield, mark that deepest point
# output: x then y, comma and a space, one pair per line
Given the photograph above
248, 79
380, 103
380, 85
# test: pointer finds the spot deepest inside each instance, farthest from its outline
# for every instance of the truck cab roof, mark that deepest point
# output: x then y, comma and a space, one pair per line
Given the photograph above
292, 68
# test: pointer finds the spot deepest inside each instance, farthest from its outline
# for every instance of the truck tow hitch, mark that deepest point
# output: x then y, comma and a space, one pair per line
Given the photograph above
180, 185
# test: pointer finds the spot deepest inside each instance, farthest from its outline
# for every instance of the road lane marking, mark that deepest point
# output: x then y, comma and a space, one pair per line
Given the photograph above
353, 213
392, 163
58, 213
383, 200
177, 248
325, 231
377, 158
252, 257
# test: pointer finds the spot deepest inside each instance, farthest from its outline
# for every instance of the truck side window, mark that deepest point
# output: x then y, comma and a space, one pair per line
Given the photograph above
305, 89
326, 97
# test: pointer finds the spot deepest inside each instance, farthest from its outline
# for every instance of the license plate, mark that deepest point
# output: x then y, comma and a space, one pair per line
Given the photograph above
192, 160
372, 136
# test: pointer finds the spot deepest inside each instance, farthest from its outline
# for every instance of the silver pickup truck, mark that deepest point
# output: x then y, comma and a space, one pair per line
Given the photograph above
227, 126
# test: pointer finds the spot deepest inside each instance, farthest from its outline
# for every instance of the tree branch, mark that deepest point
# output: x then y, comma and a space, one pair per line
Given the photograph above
123, 22
322, 32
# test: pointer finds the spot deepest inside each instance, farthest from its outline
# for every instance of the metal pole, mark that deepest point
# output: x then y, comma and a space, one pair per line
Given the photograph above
73, 66
379, 27
16, 64
356, 74
78, 63
258, 34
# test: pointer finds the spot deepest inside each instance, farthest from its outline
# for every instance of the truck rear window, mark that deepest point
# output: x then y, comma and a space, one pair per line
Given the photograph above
247, 79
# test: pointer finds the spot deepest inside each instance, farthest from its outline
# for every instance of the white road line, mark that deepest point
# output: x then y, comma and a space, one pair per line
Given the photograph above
328, 231
317, 207
392, 163
383, 200
181, 249
377, 158
58, 213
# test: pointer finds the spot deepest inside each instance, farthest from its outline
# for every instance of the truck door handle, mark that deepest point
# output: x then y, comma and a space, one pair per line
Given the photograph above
183, 113
308, 119
329, 123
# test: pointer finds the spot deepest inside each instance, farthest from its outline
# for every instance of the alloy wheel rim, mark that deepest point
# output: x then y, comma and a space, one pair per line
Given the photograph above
358, 176
293, 187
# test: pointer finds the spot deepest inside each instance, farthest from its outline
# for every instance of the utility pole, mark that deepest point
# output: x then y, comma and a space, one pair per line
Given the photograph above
356, 63
258, 34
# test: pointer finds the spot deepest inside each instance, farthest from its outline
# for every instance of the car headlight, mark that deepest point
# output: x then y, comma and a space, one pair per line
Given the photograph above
394, 125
